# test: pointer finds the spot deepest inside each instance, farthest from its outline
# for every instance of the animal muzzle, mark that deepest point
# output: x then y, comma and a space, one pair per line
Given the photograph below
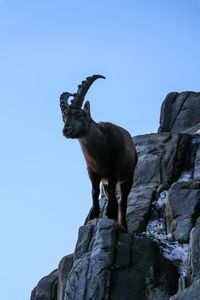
67, 131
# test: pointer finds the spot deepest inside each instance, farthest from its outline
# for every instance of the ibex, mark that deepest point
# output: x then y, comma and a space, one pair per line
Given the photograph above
109, 151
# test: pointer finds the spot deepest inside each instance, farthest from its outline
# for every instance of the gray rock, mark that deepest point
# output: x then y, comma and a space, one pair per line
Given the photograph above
111, 264
195, 252
139, 207
169, 109
161, 157
182, 208
46, 288
93, 258
176, 112
191, 293
64, 268
141, 274
197, 164
52, 287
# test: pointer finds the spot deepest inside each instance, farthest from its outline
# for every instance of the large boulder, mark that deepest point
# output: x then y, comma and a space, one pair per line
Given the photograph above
139, 207
182, 209
111, 264
93, 259
46, 288
180, 113
194, 263
64, 268
191, 293
52, 286
197, 160
160, 158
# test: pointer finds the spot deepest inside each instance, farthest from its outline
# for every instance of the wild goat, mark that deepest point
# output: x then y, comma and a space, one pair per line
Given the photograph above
108, 149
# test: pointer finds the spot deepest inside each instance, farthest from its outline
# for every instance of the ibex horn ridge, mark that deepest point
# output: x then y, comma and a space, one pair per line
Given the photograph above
82, 90
64, 100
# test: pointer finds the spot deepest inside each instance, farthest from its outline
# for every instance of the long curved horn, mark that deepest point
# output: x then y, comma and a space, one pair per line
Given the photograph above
82, 90
64, 101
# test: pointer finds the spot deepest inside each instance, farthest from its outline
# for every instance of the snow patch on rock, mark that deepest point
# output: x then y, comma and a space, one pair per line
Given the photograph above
170, 248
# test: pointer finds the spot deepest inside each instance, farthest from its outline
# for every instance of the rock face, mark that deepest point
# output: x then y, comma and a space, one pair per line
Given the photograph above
161, 157
179, 113
159, 257
182, 205
47, 287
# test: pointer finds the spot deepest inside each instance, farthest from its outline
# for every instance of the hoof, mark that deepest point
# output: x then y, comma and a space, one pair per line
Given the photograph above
123, 228
90, 222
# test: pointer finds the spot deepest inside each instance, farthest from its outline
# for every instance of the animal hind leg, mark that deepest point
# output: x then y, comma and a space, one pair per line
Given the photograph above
105, 190
112, 207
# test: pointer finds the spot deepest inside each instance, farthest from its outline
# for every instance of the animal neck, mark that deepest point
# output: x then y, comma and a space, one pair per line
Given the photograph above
94, 139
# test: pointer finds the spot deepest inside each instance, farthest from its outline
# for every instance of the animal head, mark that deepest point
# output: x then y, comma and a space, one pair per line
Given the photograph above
77, 120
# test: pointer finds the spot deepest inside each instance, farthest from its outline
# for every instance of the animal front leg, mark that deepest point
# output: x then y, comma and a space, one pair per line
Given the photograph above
95, 180
112, 207
125, 190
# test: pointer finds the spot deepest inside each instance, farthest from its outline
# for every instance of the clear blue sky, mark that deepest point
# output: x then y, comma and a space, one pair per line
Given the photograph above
144, 48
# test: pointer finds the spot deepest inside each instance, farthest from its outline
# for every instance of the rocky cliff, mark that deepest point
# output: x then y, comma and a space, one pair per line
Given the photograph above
159, 257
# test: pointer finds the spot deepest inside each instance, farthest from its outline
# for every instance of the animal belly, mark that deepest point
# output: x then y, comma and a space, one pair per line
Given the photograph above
104, 181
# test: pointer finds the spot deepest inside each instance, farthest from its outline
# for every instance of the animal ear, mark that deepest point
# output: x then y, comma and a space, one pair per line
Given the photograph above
86, 108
